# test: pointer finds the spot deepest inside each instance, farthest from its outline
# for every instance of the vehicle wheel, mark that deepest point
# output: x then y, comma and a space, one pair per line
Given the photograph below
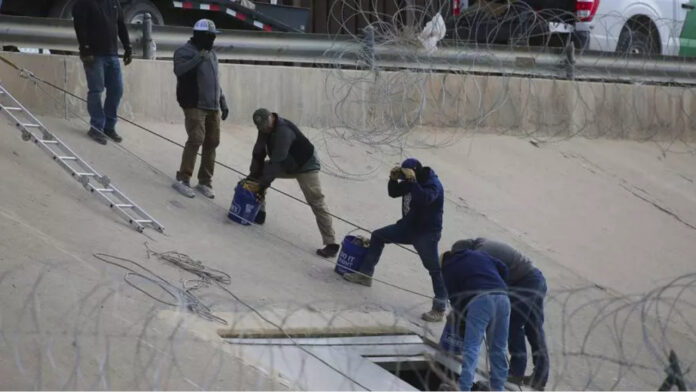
135, 12
62, 9
638, 41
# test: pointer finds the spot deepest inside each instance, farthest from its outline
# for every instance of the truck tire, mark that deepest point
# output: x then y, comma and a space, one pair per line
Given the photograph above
62, 9
638, 41
135, 12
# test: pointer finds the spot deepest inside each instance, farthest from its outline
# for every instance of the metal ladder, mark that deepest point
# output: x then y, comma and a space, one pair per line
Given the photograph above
33, 130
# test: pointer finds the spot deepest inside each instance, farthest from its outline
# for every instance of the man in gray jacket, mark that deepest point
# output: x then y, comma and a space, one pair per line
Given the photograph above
526, 288
200, 96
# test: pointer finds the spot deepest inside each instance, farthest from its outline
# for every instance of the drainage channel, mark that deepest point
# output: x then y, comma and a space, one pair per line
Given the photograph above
377, 362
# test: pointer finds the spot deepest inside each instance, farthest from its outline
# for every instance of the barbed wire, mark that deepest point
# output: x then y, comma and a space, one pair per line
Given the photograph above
112, 334
380, 105
597, 340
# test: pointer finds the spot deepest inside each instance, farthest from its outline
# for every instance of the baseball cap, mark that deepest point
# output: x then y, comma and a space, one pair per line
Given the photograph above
206, 25
411, 163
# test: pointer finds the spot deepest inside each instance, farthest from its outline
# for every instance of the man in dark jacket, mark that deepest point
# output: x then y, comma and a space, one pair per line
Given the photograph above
477, 292
97, 24
527, 288
421, 226
291, 155
199, 94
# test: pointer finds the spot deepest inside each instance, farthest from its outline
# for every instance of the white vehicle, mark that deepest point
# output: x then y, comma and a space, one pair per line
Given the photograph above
642, 27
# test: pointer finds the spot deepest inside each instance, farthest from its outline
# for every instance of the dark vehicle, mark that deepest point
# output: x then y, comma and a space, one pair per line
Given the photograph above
228, 14
524, 22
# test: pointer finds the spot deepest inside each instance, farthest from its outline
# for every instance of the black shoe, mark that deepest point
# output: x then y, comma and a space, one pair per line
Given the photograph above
97, 136
260, 217
113, 135
328, 251
532, 383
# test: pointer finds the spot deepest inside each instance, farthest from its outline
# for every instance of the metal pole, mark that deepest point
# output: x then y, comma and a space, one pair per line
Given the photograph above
149, 48
570, 60
369, 46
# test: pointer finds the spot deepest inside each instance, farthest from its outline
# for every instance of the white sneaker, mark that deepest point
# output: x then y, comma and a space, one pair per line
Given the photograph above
206, 191
184, 188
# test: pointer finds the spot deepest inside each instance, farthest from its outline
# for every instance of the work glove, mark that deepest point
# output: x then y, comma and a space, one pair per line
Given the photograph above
250, 185
409, 174
128, 56
395, 173
87, 59
261, 194
254, 187
224, 110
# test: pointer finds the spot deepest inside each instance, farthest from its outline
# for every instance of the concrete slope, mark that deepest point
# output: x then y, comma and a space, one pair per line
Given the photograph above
574, 207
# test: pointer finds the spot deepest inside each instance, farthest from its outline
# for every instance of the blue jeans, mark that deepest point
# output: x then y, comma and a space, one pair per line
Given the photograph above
103, 73
527, 318
426, 246
489, 313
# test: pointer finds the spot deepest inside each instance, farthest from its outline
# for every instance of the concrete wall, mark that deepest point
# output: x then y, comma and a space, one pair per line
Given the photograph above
366, 101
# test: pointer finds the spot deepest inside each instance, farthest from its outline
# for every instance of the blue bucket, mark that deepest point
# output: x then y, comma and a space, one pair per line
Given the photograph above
244, 206
450, 341
351, 256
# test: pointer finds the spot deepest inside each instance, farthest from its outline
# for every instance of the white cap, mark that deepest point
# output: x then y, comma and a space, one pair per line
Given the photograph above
206, 25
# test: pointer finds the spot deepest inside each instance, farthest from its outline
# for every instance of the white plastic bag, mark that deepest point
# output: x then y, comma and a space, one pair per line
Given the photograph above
433, 32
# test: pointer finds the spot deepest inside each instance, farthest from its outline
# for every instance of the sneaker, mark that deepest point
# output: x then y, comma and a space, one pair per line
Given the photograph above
184, 188
260, 217
357, 278
537, 387
530, 382
97, 136
433, 316
328, 251
113, 135
206, 190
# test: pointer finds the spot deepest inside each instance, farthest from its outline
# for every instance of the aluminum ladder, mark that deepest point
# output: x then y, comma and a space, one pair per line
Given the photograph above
33, 130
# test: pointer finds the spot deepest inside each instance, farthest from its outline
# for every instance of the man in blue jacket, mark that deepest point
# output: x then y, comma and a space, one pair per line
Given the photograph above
421, 226
476, 285
527, 289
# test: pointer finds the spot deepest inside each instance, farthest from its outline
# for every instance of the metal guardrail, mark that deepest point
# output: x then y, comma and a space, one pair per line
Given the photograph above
59, 34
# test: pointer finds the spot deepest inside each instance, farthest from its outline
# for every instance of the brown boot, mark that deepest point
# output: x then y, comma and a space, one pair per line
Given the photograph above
433, 316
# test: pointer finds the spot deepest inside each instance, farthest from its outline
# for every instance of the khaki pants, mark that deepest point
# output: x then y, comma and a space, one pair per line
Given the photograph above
311, 188
203, 129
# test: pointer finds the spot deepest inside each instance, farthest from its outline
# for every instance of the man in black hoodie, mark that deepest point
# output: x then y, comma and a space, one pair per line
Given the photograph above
290, 155
98, 23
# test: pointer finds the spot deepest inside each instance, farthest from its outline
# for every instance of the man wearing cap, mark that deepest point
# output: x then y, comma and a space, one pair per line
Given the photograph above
421, 226
98, 24
291, 155
527, 289
199, 94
